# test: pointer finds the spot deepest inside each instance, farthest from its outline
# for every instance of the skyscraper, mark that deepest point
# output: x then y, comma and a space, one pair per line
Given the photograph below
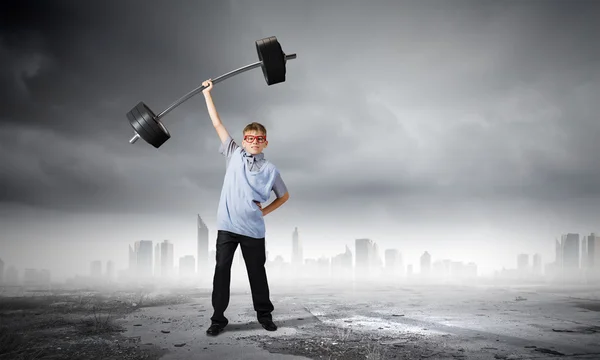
110, 270
591, 251
522, 265
144, 258
166, 258
522, 262
202, 260
570, 252
96, 269
559, 253
584, 253
392, 262
341, 264
537, 264
187, 266
157, 269
12, 275
212, 262
593, 256
297, 256
425, 264
364, 257
133, 260
376, 260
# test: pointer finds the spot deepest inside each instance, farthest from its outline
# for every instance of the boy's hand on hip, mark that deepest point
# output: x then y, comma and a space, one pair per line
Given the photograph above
260, 207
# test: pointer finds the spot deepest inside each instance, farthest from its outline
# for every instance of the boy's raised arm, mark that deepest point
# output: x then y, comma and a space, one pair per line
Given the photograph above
212, 111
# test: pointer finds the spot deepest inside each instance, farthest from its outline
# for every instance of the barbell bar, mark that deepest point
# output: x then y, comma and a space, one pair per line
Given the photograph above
148, 126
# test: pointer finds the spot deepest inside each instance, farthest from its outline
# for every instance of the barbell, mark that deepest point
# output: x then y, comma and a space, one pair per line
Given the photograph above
148, 126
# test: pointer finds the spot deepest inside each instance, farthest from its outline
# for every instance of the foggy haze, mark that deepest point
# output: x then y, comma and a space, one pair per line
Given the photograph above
465, 129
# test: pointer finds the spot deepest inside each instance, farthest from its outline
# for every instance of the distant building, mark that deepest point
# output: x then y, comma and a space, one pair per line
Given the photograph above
133, 260
583, 256
341, 264
570, 252
324, 267
187, 266
297, 254
364, 257
30, 277
425, 264
471, 270
167, 258
45, 277
110, 270
443, 269
593, 257
376, 261
559, 254
144, 259
157, 267
12, 276
523, 265
1, 271
593, 251
393, 262
204, 270
96, 269
537, 265
212, 262
35, 277
522, 262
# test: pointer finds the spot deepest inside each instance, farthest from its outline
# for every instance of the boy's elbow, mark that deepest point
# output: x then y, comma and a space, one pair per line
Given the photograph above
285, 197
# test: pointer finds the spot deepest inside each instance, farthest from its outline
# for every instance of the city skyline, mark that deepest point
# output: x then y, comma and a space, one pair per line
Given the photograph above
151, 259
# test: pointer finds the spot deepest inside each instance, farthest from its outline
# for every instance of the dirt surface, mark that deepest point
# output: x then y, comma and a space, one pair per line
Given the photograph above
402, 322
75, 325
330, 342
440, 322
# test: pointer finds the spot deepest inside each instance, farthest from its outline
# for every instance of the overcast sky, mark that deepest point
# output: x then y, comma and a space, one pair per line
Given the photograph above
465, 128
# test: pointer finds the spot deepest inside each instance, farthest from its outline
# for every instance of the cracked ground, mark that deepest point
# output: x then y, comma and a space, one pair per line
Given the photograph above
327, 321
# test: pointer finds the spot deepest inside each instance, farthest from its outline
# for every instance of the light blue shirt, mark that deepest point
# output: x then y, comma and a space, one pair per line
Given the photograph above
247, 179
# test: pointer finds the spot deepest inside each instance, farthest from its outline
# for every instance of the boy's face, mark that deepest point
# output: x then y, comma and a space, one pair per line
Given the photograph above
254, 142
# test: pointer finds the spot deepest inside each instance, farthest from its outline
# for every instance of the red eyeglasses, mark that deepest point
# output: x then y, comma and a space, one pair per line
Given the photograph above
259, 138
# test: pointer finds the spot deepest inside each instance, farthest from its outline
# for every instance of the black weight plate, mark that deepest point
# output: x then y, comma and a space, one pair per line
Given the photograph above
272, 65
277, 58
147, 121
145, 124
132, 116
157, 136
159, 127
143, 121
270, 53
264, 57
160, 131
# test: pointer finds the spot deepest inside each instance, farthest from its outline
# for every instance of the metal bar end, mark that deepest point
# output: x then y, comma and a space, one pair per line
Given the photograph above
134, 138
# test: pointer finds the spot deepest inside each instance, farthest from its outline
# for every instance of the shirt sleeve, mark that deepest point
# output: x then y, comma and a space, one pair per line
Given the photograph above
279, 186
228, 147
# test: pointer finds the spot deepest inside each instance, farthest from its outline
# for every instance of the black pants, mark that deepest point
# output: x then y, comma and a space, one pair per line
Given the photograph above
253, 251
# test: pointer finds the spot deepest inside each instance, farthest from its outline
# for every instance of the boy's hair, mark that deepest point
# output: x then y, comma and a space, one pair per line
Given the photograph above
254, 126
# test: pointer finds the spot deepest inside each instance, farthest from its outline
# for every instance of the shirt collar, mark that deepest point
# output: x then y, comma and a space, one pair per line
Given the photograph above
260, 156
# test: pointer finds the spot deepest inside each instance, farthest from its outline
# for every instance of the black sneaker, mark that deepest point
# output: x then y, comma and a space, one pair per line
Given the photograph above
215, 329
268, 325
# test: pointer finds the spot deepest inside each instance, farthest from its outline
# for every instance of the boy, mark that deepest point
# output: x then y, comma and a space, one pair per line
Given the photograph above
249, 180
